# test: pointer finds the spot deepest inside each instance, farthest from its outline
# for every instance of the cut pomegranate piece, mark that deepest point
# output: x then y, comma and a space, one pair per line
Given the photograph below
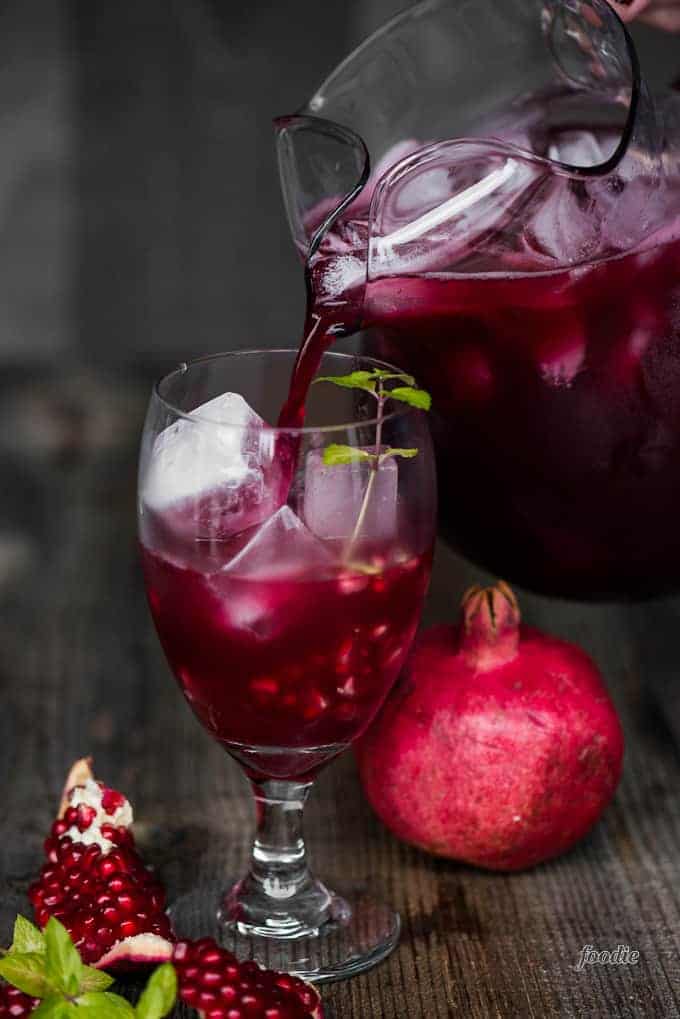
95, 882
218, 986
14, 1004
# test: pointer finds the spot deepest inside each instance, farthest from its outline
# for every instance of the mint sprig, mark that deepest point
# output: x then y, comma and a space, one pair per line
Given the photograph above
372, 382
46, 965
335, 454
27, 972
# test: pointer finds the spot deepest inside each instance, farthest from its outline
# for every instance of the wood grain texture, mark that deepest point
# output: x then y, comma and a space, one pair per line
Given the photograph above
81, 671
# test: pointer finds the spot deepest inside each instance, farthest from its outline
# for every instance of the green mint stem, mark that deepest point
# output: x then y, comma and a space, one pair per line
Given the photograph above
374, 468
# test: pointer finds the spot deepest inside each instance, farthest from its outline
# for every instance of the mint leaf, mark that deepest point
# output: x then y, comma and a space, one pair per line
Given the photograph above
27, 937
63, 964
334, 454
27, 971
355, 380
391, 451
414, 397
55, 1008
103, 1006
92, 979
408, 380
159, 994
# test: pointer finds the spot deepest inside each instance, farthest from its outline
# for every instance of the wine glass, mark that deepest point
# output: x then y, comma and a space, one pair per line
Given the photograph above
286, 571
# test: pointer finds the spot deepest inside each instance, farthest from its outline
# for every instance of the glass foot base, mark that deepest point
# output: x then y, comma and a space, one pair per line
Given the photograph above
359, 932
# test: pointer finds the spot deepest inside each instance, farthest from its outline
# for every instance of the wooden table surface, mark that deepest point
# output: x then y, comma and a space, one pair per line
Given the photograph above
82, 672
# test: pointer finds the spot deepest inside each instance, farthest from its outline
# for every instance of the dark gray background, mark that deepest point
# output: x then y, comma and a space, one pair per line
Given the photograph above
140, 213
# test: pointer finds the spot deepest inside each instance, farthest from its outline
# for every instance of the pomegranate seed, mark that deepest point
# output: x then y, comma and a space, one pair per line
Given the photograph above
265, 686
344, 656
119, 860
211, 978
189, 993
348, 688
15, 1003
125, 838
112, 801
90, 950
206, 999
105, 937
181, 953
107, 867
92, 854
85, 817
315, 705
126, 902
203, 944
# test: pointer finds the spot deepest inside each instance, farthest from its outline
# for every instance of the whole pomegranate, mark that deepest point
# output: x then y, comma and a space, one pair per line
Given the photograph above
499, 747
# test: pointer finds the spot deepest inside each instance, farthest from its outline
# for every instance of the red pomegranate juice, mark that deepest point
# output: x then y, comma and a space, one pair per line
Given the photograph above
285, 661
556, 416
556, 410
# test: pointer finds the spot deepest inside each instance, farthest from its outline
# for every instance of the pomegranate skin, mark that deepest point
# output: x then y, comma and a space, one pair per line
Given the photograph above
497, 760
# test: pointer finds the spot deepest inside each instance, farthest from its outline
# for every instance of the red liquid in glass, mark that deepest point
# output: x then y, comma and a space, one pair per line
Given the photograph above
285, 669
279, 664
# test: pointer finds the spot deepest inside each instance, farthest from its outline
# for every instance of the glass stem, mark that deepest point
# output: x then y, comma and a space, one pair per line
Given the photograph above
279, 859
279, 896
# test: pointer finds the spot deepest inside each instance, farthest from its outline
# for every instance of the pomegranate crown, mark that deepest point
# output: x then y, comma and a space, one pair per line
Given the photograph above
490, 626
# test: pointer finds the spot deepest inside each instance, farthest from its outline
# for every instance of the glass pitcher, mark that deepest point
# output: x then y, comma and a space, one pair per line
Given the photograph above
489, 192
